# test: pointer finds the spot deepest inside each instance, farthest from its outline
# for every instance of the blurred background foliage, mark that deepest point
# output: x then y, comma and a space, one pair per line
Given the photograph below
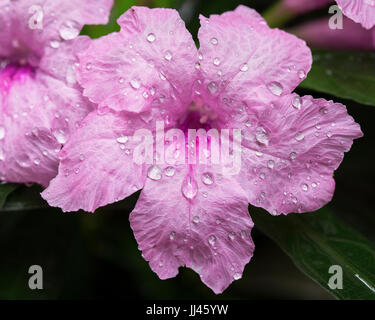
96, 256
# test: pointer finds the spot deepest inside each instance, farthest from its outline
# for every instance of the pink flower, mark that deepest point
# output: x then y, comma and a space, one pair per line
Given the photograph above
242, 77
361, 11
40, 101
318, 34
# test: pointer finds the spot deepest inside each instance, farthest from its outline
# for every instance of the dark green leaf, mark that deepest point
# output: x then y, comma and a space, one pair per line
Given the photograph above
348, 75
315, 241
5, 190
25, 198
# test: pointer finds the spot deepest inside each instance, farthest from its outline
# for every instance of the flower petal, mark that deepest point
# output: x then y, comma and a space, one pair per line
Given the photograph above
142, 64
291, 150
37, 24
204, 226
243, 57
38, 113
361, 11
97, 166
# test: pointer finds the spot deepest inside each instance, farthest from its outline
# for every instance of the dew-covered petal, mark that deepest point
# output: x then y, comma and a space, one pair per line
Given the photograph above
149, 62
290, 152
248, 67
96, 165
38, 113
33, 25
198, 219
361, 11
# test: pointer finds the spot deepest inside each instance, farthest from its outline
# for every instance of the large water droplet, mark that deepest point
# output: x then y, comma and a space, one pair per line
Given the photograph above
196, 219
60, 136
237, 276
169, 171
212, 240
293, 155
271, 164
151, 37
207, 178
300, 136
305, 187
168, 56
189, 187
275, 88
69, 30
135, 83
214, 41
212, 87
296, 102
261, 135
122, 139
154, 173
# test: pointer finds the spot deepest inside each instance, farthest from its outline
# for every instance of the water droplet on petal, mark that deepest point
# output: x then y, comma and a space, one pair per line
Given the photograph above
329, 134
293, 155
168, 56
216, 61
212, 240
196, 219
214, 41
154, 173
169, 171
300, 136
189, 187
54, 44
122, 139
172, 235
212, 87
237, 276
301, 74
151, 37
207, 178
305, 187
271, 164
232, 235
296, 102
275, 88
60, 136
261, 135
69, 30
135, 84
81, 157
244, 67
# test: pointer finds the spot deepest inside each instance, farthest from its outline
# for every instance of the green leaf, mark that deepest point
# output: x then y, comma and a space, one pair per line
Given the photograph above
344, 74
315, 241
24, 198
5, 190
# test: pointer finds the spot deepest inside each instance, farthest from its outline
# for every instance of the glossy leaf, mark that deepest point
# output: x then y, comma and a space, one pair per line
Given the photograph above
5, 190
348, 75
316, 241
24, 198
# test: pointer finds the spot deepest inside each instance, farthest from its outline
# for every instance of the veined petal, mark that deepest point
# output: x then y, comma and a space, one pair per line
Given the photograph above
142, 64
290, 152
242, 58
361, 11
195, 218
97, 166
